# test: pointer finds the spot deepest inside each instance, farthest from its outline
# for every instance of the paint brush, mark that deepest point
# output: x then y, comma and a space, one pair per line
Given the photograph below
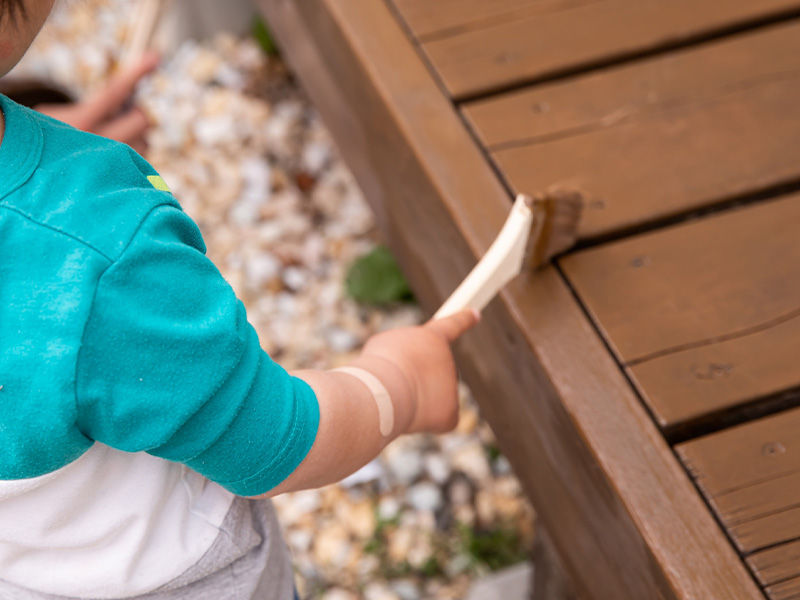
537, 229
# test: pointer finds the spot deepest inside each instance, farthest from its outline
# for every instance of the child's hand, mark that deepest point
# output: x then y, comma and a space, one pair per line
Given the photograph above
423, 355
104, 111
415, 366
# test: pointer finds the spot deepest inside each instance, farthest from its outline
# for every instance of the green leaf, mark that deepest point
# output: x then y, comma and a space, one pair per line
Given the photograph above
264, 37
377, 279
497, 547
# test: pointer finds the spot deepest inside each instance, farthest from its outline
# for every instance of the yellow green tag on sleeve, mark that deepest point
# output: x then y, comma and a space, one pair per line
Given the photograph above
158, 183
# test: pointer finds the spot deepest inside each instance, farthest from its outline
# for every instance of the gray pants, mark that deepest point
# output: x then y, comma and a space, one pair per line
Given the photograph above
248, 561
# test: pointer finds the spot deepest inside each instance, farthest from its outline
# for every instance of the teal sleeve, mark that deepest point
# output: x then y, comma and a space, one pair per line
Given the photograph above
169, 365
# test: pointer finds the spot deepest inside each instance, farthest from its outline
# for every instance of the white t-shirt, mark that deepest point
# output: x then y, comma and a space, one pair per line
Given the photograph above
108, 525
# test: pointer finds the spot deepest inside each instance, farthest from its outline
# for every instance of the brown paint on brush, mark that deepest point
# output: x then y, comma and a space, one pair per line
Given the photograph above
560, 211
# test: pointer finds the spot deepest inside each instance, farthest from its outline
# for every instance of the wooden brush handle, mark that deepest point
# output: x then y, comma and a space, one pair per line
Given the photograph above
502, 262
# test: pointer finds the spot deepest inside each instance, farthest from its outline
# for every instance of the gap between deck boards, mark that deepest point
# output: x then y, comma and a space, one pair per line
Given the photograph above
618, 59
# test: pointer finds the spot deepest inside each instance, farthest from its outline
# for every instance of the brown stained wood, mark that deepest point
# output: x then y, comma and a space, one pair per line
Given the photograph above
535, 45
442, 18
748, 504
770, 529
621, 94
671, 161
785, 590
687, 386
751, 477
777, 564
705, 315
620, 509
748, 474
550, 581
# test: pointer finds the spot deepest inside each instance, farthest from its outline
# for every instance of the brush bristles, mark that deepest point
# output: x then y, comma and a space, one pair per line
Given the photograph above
561, 210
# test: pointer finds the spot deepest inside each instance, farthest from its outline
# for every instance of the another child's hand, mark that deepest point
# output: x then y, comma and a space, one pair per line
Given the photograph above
104, 111
423, 355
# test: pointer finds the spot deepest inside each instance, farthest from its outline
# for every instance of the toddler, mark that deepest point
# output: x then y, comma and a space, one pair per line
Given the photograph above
142, 428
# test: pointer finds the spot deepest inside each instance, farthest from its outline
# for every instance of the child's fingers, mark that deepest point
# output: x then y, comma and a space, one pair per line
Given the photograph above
107, 101
453, 326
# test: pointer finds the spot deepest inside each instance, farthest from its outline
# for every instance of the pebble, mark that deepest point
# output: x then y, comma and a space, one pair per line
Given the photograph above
341, 340
299, 540
339, 594
501, 466
471, 460
379, 591
425, 496
316, 156
359, 517
296, 279
406, 589
400, 544
296, 505
420, 552
262, 268
388, 508
403, 462
436, 467
460, 492
370, 472
331, 545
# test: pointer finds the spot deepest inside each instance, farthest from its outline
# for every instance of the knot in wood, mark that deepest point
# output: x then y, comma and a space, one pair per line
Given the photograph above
773, 449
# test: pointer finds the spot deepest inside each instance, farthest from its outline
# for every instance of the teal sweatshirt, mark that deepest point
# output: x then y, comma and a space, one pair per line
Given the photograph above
116, 328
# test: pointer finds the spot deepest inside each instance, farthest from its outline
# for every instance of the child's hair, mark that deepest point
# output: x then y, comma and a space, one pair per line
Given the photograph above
12, 9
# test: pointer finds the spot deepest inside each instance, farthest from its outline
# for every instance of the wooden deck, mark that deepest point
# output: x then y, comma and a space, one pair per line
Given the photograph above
645, 386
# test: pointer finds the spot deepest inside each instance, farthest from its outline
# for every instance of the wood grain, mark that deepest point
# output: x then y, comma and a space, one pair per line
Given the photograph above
785, 590
534, 45
751, 477
620, 94
703, 314
698, 383
748, 473
620, 509
443, 18
777, 564
672, 161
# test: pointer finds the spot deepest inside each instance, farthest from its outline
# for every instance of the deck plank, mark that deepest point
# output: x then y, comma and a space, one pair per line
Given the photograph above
703, 314
750, 476
785, 590
445, 17
777, 564
532, 43
624, 93
699, 384
747, 473
673, 161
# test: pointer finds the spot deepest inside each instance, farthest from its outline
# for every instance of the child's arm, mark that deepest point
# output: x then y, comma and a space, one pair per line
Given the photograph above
415, 366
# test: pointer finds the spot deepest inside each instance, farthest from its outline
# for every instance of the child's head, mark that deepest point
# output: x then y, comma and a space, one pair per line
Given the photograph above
20, 21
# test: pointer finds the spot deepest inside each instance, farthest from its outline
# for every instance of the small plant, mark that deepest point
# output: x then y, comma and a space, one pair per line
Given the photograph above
264, 38
377, 279
497, 547
492, 452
